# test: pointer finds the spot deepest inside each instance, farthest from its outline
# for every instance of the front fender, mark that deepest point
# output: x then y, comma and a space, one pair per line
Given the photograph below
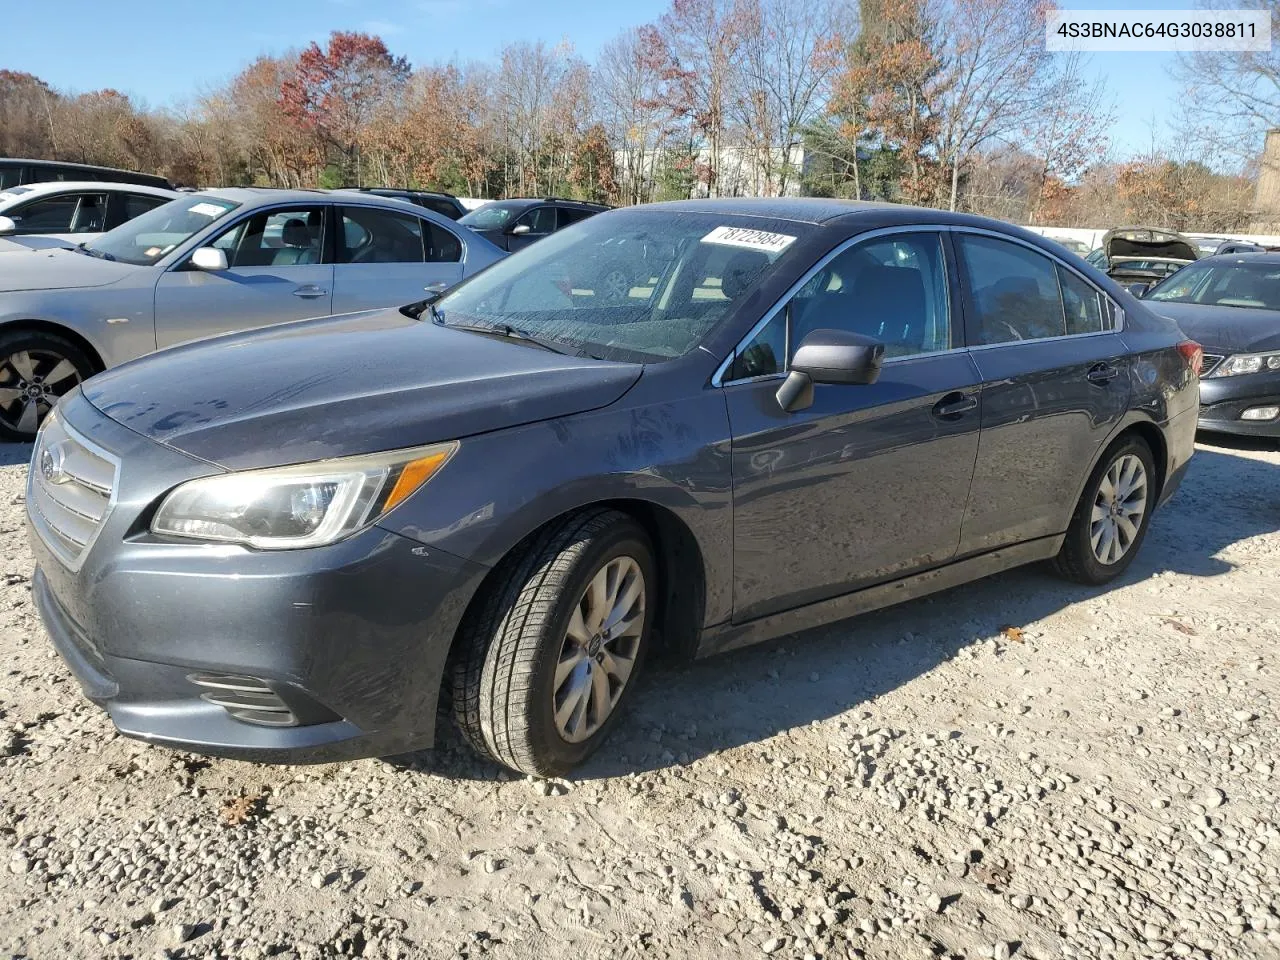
118, 322
502, 486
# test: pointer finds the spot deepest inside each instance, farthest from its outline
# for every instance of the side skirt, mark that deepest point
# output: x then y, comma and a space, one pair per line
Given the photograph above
731, 636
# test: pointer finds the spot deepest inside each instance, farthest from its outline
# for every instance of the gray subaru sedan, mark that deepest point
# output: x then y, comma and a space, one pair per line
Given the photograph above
700, 425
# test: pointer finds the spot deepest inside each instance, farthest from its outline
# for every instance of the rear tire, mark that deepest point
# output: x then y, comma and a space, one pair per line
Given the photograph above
36, 369
1111, 520
547, 644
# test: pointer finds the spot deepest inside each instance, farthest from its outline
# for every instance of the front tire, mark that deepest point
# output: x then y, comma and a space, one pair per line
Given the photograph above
36, 369
549, 654
1110, 522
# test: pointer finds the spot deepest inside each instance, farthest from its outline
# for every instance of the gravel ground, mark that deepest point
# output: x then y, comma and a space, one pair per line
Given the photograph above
1098, 782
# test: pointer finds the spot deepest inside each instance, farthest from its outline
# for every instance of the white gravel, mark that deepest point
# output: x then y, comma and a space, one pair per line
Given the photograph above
915, 783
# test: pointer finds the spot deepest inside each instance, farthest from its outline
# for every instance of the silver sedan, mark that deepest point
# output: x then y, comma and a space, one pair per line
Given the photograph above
210, 263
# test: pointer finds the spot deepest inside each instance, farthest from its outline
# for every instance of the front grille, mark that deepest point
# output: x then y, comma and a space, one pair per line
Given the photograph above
245, 698
71, 488
1210, 361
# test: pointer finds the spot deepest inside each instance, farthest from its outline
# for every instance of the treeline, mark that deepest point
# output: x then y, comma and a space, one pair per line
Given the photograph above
951, 103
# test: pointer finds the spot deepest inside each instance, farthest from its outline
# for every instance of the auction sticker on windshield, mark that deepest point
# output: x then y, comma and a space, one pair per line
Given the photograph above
208, 209
751, 239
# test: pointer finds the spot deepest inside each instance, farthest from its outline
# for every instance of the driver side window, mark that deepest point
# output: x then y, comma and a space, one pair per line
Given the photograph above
276, 238
539, 220
892, 289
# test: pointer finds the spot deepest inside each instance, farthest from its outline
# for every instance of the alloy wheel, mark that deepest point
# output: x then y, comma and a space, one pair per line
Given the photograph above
31, 381
599, 649
1118, 509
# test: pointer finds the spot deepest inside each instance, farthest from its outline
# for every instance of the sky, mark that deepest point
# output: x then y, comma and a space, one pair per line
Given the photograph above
164, 53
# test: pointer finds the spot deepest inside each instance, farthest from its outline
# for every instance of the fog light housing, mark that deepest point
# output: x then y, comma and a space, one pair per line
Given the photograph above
1261, 413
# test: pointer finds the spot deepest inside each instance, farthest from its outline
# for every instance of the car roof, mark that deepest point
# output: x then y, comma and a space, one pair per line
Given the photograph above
29, 190
1262, 256
859, 214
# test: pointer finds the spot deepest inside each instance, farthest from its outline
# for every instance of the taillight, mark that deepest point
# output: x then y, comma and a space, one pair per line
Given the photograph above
1193, 353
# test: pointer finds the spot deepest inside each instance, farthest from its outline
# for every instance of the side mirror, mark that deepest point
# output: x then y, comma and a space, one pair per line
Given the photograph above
210, 258
1137, 289
7, 226
520, 229
829, 356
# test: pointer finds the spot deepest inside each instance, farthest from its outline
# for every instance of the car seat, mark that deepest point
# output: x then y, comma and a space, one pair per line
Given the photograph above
298, 245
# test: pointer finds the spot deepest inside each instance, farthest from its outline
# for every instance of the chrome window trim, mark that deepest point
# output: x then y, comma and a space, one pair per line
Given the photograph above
717, 378
1117, 313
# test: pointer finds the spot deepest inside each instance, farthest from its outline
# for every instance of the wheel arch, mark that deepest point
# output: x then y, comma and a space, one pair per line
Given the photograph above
60, 330
681, 571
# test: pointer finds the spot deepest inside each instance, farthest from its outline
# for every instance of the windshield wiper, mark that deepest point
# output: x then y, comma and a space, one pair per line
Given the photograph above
94, 253
500, 330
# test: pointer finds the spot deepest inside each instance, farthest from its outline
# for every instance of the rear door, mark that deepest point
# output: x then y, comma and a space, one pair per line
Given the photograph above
278, 270
1055, 377
387, 258
870, 482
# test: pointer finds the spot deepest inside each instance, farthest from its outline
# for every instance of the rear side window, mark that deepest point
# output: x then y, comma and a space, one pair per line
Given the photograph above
442, 207
136, 204
1013, 290
1083, 305
379, 236
570, 215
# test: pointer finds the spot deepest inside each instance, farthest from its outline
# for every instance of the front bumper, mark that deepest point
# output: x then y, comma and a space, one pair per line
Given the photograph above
1224, 399
352, 636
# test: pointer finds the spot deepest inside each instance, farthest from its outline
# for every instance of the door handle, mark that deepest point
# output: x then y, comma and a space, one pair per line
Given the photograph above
310, 292
953, 405
1102, 373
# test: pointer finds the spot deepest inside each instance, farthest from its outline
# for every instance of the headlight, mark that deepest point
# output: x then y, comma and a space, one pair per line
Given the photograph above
306, 505
1247, 363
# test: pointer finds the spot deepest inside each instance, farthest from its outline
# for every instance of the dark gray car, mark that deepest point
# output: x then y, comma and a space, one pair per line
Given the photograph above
704, 424
1231, 305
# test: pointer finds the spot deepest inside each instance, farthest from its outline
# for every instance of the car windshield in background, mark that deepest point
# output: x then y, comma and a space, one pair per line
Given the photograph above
145, 239
1232, 284
631, 286
491, 217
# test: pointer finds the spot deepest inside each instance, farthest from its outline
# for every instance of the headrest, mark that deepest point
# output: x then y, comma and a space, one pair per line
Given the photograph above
295, 233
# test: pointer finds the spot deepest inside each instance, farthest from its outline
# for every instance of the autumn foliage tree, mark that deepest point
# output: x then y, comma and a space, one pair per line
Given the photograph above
336, 90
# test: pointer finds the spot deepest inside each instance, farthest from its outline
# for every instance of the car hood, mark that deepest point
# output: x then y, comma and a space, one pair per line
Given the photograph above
58, 269
346, 385
1223, 330
35, 242
1148, 242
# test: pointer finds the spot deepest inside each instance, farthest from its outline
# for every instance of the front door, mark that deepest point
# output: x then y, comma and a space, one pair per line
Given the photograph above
388, 259
277, 271
540, 221
870, 482
1055, 383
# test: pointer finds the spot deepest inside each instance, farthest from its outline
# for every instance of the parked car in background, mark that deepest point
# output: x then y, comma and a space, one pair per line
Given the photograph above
445, 204
1078, 247
56, 213
1137, 257
210, 263
1209, 246
514, 224
1231, 305
15, 172
796, 411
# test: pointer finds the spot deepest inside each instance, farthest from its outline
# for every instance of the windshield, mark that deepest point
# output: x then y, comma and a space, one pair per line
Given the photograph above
145, 239
632, 285
493, 216
1232, 284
